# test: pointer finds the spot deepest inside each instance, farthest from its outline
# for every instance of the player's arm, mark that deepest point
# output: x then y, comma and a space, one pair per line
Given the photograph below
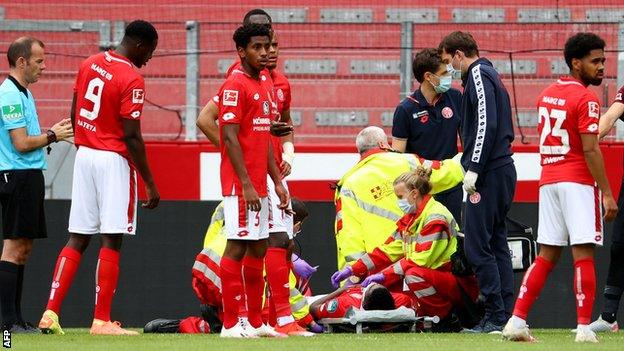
206, 122
400, 129
276, 176
136, 147
615, 112
288, 145
314, 307
235, 153
595, 163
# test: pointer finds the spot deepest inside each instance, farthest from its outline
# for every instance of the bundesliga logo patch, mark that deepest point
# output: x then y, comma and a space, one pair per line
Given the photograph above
230, 98
137, 96
594, 109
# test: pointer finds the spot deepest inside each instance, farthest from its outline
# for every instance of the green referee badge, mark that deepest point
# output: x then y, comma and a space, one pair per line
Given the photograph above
12, 112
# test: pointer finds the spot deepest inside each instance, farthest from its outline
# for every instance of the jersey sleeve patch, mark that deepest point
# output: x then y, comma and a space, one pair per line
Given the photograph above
593, 109
12, 113
230, 98
138, 96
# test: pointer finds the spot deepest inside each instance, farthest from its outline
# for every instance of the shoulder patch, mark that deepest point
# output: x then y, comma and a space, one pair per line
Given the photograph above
12, 112
230, 98
332, 306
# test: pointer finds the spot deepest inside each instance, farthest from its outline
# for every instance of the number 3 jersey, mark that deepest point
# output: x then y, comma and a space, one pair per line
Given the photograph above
566, 109
108, 89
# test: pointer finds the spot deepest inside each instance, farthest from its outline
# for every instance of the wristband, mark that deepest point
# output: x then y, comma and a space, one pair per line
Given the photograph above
289, 152
51, 136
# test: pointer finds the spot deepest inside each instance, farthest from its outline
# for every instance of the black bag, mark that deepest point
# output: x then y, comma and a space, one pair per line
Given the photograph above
459, 263
522, 245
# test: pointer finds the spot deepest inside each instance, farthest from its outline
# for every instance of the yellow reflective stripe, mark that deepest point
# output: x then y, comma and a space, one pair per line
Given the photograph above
212, 276
372, 209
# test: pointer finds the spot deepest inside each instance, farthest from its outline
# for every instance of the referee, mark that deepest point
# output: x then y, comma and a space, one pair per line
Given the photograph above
22, 162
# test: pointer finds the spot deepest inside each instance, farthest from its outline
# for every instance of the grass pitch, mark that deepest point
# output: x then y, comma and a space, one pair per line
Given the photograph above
79, 339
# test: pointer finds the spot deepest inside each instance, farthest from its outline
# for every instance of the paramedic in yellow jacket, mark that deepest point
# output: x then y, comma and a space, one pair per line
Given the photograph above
206, 280
419, 252
366, 206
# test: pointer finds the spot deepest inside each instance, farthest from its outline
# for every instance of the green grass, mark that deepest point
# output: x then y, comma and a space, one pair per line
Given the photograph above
79, 339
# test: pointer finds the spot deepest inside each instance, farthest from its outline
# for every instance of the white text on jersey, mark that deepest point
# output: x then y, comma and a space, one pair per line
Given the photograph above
553, 101
86, 125
101, 71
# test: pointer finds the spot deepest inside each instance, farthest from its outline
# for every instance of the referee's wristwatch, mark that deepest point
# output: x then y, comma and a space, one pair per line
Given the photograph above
51, 136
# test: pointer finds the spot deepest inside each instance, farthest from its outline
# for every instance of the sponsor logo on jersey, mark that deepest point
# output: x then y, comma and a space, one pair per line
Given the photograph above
420, 114
230, 98
256, 96
137, 96
593, 109
475, 198
135, 114
593, 127
280, 94
12, 112
265, 107
447, 112
228, 116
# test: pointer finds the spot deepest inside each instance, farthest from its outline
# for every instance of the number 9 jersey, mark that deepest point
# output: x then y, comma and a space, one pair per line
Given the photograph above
108, 89
566, 109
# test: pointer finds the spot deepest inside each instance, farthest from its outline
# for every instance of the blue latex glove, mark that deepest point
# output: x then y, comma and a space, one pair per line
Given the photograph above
316, 328
302, 268
341, 275
375, 278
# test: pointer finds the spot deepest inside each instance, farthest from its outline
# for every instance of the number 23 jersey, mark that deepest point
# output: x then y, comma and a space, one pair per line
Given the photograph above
566, 109
108, 89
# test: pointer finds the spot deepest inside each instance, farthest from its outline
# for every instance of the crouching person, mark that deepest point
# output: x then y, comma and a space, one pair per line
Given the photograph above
418, 253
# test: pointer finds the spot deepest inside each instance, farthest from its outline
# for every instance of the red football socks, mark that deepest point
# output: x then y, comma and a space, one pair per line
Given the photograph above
277, 275
107, 274
64, 272
231, 289
254, 288
584, 289
532, 284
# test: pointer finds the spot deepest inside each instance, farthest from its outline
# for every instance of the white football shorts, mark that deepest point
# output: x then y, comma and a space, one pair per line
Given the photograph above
279, 220
243, 224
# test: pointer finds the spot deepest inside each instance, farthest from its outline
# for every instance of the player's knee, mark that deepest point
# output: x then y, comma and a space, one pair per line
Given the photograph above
78, 242
279, 240
112, 242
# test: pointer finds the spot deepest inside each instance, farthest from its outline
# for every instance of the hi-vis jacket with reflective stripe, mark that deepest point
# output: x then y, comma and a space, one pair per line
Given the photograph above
427, 237
214, 246
366, 206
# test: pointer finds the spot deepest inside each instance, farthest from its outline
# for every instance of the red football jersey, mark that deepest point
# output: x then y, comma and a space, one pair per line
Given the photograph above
352, 297
566, 109
249, 103
281, 87
108, 89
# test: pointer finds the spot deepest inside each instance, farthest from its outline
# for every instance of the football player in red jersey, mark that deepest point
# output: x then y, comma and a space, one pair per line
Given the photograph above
246, 106
573, 177
106, 110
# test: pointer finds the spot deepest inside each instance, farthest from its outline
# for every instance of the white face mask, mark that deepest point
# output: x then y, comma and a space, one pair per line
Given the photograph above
404, 205
445, 84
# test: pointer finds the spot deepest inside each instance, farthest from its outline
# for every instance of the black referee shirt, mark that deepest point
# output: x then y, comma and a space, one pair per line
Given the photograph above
430, 129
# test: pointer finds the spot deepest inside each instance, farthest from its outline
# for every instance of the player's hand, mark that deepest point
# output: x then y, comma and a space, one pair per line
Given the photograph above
610, 207
252, 200
470, 181
63, 129
282, 194
153, 197
341, 275
280, 129
285, 169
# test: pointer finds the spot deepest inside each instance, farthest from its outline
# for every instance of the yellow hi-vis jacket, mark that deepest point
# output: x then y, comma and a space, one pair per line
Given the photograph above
214, 246
427, 237
366, 206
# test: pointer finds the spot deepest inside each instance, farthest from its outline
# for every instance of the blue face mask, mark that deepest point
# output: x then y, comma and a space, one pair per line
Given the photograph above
445, 84
454, 73
404, 205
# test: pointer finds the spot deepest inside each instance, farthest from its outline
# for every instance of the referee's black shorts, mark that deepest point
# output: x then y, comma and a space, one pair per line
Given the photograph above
21, 194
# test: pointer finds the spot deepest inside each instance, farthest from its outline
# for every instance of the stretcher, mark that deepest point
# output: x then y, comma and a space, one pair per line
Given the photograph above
356, 318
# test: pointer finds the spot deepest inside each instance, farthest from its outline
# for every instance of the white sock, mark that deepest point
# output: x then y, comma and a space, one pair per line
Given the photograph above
282, 321
518, 322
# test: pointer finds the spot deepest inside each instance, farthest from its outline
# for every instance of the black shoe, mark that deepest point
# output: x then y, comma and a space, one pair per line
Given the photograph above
487, 328
450, 324
210, 315
29, 326
18, 328
161, 325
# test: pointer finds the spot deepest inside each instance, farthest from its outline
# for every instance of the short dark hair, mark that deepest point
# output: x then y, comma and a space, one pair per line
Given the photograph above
141, 30
242, 35
427, 60
462, 41
21, 47
379, 298
579, 45
256, 12
300, 210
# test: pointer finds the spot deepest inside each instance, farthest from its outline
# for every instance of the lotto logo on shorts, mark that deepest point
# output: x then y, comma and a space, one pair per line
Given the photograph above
242, 233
